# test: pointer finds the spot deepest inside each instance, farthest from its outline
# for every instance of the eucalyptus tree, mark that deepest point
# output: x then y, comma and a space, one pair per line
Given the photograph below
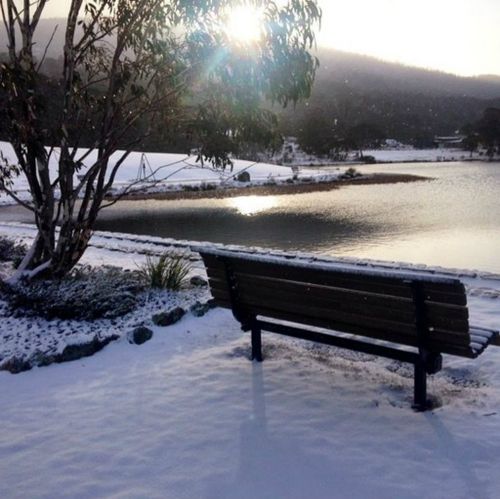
126, 62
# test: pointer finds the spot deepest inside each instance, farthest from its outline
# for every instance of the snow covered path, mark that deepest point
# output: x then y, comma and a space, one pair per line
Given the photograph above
187, 415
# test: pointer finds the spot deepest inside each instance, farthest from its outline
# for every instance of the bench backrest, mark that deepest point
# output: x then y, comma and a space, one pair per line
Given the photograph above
386, 305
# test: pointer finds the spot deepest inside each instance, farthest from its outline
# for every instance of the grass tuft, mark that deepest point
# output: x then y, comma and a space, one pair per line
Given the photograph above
166, 272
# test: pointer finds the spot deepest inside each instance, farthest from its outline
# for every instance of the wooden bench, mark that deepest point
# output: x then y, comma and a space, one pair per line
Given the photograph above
400, 309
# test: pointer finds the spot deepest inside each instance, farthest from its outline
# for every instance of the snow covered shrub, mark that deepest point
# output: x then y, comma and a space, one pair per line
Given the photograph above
207, 186
86, 293
169, 271
243, 177
11, 252
369, 160
351, 173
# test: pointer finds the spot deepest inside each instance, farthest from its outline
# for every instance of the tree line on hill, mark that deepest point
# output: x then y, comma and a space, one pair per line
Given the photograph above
357, 102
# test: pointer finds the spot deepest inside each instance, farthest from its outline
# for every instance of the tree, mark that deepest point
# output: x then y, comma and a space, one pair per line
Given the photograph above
322, 135
488, 131
471, 140
363, 136
125, 60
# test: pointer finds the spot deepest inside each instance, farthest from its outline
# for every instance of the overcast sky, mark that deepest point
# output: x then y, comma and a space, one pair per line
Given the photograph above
457, 36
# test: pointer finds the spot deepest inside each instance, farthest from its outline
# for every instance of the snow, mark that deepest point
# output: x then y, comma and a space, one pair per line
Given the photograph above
339, 267
392, 152
188, 415
165, 172
415, 155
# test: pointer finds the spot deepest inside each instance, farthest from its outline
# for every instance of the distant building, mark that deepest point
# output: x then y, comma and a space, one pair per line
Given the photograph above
452, 141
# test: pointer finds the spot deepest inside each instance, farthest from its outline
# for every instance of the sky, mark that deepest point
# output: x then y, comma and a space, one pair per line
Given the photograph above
456, 36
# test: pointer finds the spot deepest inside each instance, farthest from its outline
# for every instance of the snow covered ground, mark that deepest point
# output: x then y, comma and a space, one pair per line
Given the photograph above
163, 172
187, 415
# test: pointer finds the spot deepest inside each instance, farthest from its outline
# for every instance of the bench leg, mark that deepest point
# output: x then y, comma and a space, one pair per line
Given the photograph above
420, 402
256, 344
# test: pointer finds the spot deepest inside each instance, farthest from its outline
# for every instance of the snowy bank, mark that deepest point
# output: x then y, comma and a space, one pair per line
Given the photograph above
171, 173
165, 172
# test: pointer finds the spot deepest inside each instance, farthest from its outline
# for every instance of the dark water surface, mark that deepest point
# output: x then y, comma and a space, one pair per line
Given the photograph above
453, 220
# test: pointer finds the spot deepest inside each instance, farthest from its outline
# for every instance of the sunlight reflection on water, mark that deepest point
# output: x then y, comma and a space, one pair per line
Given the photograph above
252, 205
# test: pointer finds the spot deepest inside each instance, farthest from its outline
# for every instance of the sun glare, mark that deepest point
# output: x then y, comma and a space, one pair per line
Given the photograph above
244, 24
252, 205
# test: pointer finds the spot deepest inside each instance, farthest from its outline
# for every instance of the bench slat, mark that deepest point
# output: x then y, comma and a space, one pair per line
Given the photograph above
395, 337
314, 276
444, 293
440, 340
403, 309
364, 304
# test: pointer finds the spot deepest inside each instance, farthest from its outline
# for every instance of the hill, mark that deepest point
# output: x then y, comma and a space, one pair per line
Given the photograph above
406, 103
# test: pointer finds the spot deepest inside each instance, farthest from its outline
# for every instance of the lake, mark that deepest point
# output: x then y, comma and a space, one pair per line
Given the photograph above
453, 220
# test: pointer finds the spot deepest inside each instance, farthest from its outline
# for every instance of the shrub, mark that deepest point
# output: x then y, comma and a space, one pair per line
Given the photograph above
85, 293
11, 251
369, 160
167, 272
243, 177
204, 186
351, 173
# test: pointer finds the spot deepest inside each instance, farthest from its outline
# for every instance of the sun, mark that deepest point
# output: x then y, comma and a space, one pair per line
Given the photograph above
244, 24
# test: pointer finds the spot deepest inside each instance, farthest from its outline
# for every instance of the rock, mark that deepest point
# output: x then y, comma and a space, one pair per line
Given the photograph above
212, 303
71, 352
198, 281
199, 309
16, 365
75, 352
139, 335
170, 317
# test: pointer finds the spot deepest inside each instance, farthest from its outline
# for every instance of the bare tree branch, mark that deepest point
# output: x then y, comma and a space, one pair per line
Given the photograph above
47, 47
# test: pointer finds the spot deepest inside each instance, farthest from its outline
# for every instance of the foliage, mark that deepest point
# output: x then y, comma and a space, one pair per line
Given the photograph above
321, 135
369, 159
11, 251
85, 293
487, 131
351, 173
129, 65
169, 271
334, 138
243, 177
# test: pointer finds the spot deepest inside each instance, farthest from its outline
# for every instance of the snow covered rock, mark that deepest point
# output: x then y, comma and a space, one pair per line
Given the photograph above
16, 365
169, 317
199, 309
77, 351
198, 281
71, 352
139, 335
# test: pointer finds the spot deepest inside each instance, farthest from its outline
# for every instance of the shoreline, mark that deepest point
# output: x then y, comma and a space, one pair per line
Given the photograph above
275, 189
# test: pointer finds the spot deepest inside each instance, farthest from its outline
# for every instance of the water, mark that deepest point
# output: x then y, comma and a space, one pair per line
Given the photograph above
453, 220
